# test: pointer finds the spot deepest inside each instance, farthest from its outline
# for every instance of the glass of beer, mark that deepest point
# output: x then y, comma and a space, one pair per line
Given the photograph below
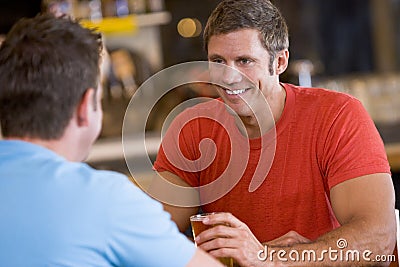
198, 226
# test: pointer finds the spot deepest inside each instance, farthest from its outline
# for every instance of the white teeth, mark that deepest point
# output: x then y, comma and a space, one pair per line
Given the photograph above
236, 92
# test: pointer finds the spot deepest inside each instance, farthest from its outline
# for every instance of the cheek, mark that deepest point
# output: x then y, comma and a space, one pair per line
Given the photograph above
100, 106
219, 90
99, 124
100, 114
266, 78
254, 73
253, 77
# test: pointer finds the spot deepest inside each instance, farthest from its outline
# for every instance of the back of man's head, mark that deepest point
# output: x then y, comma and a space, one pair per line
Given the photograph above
46, 65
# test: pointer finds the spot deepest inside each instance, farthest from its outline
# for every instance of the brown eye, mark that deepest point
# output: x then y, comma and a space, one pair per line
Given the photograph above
244, 61
217, 60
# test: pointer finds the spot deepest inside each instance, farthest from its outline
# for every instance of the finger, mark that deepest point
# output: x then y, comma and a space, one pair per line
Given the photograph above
215, 232
223, 218
224, 252
231, 252
220, 243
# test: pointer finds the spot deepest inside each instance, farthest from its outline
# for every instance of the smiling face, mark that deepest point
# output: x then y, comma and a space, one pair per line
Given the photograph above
242, 52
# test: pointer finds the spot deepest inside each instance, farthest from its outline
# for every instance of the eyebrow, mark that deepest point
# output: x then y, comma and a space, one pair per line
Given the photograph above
214, 56
245, 56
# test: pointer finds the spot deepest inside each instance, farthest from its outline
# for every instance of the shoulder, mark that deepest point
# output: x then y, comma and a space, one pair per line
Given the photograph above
322, 94
323, 100
120, 198
136, 223
105, 186
84, 171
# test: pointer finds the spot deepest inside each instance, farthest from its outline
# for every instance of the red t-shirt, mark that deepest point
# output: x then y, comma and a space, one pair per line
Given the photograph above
322, 139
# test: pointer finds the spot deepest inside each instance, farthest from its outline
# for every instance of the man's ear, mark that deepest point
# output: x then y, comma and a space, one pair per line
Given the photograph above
282, 59
84, 107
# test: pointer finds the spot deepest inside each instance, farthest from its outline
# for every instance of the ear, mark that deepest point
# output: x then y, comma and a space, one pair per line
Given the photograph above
282, 59
84, 108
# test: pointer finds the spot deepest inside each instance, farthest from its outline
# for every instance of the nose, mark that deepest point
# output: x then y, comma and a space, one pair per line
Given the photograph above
231, 75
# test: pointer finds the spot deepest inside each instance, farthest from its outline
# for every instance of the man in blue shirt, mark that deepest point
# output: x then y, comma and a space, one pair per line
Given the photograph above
55, 210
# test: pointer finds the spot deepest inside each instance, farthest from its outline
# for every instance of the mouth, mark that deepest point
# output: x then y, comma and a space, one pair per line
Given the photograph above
236, 92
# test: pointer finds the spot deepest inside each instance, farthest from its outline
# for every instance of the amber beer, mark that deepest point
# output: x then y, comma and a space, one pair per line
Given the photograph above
198, 226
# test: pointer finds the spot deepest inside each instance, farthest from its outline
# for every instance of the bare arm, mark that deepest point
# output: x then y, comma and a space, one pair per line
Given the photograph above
201, 258
180, 215
365, 208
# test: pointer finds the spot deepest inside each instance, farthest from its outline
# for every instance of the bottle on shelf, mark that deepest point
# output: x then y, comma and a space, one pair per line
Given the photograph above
57, 7
137, 6
109, 8
155, 5
95, 12
121, 7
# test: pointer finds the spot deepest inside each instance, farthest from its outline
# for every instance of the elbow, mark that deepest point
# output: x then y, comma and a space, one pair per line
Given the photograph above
388, 234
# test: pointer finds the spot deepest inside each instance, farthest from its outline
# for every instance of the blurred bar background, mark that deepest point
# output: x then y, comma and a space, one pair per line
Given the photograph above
352, 46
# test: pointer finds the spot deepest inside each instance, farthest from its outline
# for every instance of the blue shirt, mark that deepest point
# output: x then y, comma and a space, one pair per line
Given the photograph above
59, 213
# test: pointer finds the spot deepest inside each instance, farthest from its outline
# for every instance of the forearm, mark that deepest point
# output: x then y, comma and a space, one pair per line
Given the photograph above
357, 243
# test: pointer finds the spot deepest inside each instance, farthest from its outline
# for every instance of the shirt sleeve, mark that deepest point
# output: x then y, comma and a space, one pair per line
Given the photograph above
179, 149
142, 233
353, 146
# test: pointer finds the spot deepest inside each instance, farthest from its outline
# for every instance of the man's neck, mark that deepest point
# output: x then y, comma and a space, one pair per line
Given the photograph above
257, 125
58, 146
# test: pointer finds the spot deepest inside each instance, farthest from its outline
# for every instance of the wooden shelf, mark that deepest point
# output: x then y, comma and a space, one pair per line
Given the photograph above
129, 24
109, 149
153, 19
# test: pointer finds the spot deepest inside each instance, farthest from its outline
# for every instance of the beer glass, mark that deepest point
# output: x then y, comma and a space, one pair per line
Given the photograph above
196, 222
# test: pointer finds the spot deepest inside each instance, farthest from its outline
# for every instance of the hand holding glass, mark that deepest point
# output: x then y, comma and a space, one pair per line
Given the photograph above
198, 226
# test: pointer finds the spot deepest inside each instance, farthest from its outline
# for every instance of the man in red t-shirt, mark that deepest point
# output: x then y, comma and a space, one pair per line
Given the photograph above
304, 172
